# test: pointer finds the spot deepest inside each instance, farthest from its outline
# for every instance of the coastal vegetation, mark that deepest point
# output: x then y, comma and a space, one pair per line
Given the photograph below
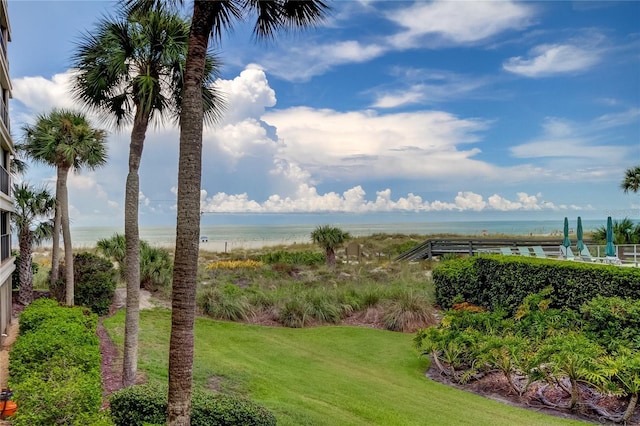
277, 327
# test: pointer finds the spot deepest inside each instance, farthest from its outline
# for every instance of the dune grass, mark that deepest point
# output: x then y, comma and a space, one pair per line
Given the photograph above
331, 375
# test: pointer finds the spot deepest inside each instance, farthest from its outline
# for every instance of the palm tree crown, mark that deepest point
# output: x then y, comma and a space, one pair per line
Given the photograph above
631, 182
133, 66
64, 138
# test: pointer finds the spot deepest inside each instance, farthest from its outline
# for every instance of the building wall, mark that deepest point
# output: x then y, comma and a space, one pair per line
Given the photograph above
6, 154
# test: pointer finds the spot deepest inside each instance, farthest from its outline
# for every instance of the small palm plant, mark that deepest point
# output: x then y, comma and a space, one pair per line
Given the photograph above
329, 238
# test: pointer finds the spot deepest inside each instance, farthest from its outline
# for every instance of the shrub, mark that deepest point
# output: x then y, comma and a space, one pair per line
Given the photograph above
144, 404
135, 405
227, 303
55, 366
62, 395
156, 268
56, 345
409, 311
504, 281
293, 314
321, 307
233, 264
613, 321
94, 283
307, 258
45, 310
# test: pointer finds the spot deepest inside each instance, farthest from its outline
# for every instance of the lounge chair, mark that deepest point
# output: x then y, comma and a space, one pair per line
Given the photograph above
524, 251
586, 256
567, 253
538, 251
506, 251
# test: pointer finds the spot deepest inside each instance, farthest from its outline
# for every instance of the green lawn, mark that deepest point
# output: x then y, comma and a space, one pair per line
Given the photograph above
322, 376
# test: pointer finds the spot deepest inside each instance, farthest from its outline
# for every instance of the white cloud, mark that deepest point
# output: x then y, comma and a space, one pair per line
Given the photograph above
354, 200
572, 140
424, 86
247, 95
450, 23
364, 145
551, 59
302, 159
301, 62
41, 95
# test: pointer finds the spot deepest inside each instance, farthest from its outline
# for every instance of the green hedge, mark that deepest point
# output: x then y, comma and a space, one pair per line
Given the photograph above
504, 281
55, 366
147, 404
94, 280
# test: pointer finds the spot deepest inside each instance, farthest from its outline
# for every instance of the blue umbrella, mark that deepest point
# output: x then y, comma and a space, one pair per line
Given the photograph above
566, 241
579, 243
610, 250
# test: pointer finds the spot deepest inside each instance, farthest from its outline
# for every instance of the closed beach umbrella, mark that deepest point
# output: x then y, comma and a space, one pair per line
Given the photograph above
610, 249
566, 241
579, 243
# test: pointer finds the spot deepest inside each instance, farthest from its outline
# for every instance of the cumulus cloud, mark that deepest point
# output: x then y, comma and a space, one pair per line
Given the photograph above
552, 59
40, 94
354, 200
449, 23
365, 144
301, 159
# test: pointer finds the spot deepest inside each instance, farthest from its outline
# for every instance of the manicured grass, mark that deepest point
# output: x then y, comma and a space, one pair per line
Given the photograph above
322, 376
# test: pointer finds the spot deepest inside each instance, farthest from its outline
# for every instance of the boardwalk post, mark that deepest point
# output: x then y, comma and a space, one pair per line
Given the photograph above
429, 250
470, 248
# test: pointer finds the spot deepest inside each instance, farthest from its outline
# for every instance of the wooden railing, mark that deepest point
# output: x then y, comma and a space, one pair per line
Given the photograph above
439, 246
626, 254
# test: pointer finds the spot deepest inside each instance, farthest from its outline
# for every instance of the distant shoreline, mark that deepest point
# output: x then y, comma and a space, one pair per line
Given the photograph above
221, 238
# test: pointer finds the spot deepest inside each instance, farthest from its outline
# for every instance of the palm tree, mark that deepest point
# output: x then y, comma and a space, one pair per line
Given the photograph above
209, 19
32, 219
625, 231
155, 263
65, 140
115, 249
631, 182
131, 70
329, 238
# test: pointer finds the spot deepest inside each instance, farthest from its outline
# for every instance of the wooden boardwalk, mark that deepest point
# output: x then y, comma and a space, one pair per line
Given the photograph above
440, 246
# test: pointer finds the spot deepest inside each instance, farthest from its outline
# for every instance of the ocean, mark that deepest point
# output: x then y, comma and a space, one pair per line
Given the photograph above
228, 237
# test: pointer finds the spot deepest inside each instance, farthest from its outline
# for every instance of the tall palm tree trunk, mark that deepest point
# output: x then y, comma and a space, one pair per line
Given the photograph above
66, 235
25, 294
132, 256
188, 219
57, 224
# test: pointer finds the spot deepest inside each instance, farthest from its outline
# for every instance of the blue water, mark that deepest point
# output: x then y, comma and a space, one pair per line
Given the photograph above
222, 237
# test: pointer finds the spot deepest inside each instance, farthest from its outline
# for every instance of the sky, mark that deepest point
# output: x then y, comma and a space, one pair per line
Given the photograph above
423, 111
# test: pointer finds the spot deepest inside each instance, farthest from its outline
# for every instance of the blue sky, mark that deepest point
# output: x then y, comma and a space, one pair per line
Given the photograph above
445, 110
